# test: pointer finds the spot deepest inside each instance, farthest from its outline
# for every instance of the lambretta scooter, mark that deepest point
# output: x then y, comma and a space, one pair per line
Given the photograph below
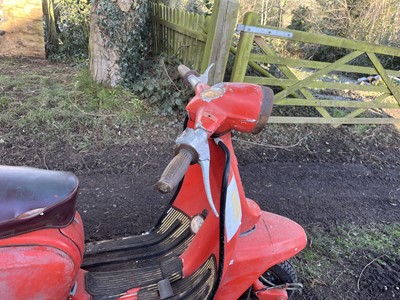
211, 242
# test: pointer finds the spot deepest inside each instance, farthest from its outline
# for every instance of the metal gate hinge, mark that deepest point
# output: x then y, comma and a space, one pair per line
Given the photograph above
263, 31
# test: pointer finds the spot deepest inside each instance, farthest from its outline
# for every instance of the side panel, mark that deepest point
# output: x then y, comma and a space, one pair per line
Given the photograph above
79, 291
274, 240
42, 264
74, 231
35, 272
53, 238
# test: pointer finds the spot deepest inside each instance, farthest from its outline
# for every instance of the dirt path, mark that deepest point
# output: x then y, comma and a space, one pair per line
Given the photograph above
326, 193
307, 193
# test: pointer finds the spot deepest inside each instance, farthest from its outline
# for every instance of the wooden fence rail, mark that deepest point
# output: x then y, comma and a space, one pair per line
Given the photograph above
296, 91
196, 40
179, 33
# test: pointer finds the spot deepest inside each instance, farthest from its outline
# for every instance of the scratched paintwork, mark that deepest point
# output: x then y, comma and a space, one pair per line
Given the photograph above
27, 272
212, 93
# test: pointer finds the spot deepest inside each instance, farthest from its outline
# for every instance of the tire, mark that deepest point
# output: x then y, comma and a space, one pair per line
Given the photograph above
281, 273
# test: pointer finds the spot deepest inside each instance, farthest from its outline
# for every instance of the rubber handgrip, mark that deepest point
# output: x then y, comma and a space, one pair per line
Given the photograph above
183, 70
186, 73
175, 171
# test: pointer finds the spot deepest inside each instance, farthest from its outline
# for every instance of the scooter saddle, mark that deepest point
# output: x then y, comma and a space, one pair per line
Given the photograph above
32, 199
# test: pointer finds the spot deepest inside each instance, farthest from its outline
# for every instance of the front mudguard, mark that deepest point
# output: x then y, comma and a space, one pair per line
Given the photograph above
273, 240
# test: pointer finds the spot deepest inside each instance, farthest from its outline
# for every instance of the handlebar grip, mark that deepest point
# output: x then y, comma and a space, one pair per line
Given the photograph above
175, 171
190, 77
183, 70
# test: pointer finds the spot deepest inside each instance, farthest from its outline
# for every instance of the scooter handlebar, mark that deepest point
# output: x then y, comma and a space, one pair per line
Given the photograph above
183, 70
190, 77
175, 171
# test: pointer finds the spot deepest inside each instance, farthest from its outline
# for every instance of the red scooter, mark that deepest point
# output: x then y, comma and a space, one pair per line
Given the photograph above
211, 242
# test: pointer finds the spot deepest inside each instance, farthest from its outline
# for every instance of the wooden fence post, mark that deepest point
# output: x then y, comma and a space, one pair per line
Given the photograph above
244, 49
219, 38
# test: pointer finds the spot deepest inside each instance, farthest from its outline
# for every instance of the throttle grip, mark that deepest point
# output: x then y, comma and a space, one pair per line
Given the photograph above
190, 77
175, 170
183, 70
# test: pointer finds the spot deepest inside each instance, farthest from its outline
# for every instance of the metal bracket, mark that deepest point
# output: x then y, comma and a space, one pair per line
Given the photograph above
264, 31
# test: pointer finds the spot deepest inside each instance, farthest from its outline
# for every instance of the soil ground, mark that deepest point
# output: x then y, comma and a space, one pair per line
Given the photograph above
326, 179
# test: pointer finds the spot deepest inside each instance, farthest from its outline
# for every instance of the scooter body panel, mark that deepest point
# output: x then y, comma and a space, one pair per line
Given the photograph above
35, 272
42, 264
79, 290
273, 240
248, 253
192, 201
75, 233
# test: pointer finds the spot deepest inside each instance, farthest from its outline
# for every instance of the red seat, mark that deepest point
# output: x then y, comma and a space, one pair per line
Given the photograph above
32, 199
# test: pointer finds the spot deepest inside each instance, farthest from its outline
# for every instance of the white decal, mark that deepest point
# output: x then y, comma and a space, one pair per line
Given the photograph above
233, 211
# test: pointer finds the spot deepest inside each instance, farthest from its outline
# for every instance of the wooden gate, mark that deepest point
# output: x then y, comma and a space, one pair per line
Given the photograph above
353, 100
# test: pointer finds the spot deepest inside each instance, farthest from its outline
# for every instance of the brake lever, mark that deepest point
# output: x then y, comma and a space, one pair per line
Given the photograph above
205, 170
204, 77
197, 139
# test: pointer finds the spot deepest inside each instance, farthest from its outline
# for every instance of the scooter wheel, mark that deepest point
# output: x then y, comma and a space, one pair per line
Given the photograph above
281, 273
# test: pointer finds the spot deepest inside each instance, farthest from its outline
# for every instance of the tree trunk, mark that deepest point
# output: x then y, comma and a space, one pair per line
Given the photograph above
103, 60
51, 22
118, 40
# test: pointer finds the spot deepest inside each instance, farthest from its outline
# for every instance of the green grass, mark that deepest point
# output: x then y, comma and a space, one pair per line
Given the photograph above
338, 113
363, 129
68, 106
333, 250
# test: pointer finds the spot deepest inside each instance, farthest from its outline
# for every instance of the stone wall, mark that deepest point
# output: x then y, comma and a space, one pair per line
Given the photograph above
22, 21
